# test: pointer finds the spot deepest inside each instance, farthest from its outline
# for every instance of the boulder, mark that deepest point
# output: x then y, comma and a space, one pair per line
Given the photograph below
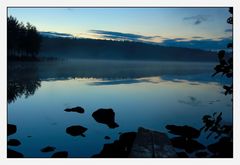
223, 148
185, 131
14, 154
75, 109
61, 154
188, 145
11, 129
119, 148
48, 149
76, 130
13, 142
105, 116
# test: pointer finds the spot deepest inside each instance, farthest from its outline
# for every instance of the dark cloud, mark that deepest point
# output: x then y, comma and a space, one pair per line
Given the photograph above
228, 30
118, 82
192, 101
56, 34
198, 19
122, 36
179, 39
197, 37
206, 44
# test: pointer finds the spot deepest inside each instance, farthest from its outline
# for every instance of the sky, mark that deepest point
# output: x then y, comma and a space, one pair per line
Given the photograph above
184, 27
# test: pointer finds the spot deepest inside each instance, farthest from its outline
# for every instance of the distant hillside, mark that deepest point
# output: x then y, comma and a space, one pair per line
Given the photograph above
124, 50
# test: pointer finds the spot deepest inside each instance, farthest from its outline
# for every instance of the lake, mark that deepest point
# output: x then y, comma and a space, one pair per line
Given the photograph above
141, 93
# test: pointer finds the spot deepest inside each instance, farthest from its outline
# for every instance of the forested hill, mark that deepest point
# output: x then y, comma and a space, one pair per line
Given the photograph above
123, 50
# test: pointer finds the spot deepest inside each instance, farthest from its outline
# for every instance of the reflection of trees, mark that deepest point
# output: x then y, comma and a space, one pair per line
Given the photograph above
225, 65
187, 138
23, 79
213, 124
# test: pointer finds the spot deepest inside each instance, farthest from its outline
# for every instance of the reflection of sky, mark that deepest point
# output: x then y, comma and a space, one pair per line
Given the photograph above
157, 24
152, 104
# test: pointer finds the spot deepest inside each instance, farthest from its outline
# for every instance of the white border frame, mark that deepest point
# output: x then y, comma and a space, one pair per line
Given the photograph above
116, 3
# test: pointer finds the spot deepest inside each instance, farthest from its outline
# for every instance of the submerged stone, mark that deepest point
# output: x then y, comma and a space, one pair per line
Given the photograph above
105, 116
11, 129
76, 130
13, 142
48, 149
14, 154
61, 154
75, 109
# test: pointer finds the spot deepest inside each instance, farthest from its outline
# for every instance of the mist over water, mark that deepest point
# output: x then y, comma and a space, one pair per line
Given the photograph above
149, 94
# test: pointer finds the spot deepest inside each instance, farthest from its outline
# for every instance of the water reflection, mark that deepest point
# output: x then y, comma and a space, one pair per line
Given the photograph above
149, 95
213, 125
25, 78
112, 70
22, 80
192, 101
117, 82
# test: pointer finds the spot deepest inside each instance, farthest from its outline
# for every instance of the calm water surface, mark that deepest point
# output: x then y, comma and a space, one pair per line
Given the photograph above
147, 94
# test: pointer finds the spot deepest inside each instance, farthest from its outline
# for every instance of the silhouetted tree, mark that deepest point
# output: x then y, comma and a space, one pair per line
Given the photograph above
225, 65
12, 35
22, 41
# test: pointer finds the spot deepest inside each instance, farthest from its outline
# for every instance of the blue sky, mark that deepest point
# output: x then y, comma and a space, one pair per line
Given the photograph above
158, 25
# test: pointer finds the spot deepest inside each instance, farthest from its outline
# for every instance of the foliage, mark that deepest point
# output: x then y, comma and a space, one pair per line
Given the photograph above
214, 125
225, 65
22, 40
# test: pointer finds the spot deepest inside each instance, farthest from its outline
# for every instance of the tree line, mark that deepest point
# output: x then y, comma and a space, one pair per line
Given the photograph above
23, 41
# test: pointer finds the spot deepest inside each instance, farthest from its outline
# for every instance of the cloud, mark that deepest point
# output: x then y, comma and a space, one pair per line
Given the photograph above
198, 19
196, 42
122, 36
179, 39
205, 44
117, 82
56, 34
192, 101
228, 30
197, 37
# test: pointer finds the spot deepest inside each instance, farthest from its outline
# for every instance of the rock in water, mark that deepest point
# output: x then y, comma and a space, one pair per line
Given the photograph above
62, 154
119, 148
76, 130
182, 155
105, 116
14, 154
185, 131
152, 144
189, 145
222, 149
75, 109
13, 142
11, 129
48, 149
